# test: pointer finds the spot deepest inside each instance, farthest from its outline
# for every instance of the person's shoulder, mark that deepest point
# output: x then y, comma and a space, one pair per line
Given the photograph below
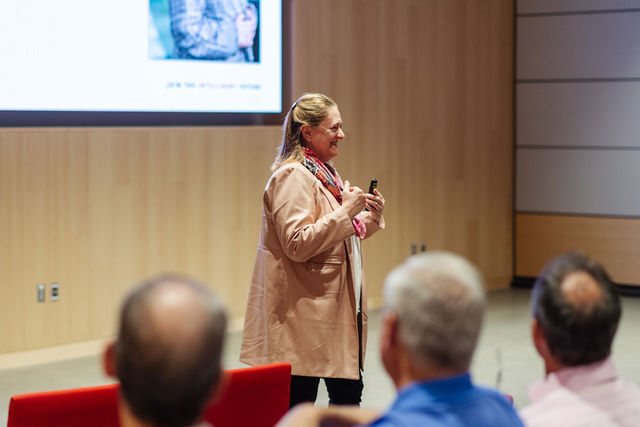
395, 419
495, 395
563, 408
631, 388
495, 407
290, 170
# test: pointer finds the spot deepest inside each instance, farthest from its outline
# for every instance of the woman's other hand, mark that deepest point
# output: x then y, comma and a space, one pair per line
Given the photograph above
353, 199
375, 204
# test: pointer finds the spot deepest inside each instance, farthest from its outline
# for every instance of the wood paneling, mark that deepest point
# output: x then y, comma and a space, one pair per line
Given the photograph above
425, 90
97, 210
615, 242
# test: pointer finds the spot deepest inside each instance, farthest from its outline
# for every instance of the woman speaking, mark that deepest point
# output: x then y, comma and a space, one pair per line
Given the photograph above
307, 300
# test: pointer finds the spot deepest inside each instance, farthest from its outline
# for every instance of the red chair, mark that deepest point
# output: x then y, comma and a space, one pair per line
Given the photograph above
256, 397
89, 406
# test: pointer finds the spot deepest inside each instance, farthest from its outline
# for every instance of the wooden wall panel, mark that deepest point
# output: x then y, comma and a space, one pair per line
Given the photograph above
425, 90
424, 93
97, 210
615, 242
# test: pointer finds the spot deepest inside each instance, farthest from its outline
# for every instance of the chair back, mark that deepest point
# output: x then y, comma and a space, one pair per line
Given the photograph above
257, 396
87, 406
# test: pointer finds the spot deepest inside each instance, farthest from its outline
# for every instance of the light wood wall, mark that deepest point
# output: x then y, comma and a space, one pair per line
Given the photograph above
615, 242
425, 91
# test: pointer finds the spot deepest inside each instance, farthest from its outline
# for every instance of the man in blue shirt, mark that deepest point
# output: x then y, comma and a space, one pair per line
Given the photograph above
434, 307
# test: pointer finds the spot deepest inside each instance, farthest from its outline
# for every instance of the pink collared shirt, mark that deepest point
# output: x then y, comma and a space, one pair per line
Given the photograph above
590, 395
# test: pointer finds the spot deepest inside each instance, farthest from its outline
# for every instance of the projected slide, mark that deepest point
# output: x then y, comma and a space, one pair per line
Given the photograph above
141, 56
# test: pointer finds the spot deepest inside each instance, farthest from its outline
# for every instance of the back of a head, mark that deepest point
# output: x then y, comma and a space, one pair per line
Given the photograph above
310, 109
168, 350
439, 300
577, 308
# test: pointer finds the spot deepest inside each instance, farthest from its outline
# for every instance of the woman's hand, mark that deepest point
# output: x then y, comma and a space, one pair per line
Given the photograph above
353, 199
375, 203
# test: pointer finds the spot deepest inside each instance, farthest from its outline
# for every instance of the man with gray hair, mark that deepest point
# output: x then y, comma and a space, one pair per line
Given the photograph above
434, 308
167, 355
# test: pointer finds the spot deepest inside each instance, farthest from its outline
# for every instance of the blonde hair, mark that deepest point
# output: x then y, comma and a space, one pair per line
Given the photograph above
310, 109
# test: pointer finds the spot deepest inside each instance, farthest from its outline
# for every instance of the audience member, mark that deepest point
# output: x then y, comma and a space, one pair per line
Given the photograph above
576, 310
167, 352
434, 308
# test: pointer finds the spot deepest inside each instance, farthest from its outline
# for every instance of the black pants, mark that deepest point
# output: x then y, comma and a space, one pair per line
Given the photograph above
341, 391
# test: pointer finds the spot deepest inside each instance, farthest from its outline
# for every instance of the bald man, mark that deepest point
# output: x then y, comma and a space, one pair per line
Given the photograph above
167, 353
576, 310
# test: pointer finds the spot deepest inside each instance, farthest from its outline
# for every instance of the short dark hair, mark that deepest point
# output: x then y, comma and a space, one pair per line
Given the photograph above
166, 379
577, 334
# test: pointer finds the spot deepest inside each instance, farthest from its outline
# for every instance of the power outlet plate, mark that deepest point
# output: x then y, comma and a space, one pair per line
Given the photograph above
40, 292
418, 246
55, 292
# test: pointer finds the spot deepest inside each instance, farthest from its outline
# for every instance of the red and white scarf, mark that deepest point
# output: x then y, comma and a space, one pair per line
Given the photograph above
329, 177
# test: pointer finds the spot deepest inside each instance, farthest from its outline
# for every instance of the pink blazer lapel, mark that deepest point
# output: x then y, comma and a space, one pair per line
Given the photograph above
332, 200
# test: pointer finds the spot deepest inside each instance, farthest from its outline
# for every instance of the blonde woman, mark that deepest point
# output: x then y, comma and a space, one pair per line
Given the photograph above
307, 300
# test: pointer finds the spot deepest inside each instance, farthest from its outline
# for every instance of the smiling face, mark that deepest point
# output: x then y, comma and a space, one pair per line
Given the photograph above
323, 139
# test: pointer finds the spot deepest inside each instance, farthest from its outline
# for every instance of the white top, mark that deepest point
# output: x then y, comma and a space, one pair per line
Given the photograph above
357, 268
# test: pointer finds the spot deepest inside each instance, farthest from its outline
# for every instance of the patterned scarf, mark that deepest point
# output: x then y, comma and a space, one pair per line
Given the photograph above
329, 177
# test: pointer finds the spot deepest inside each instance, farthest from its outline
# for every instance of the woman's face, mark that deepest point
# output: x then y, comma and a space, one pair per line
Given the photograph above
323, 139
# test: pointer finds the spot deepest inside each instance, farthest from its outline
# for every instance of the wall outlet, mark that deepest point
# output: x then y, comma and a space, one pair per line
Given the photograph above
40, 291
418, 246
55, 292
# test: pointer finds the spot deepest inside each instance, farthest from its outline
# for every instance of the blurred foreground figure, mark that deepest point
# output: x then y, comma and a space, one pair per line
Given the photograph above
167, 352
434, 308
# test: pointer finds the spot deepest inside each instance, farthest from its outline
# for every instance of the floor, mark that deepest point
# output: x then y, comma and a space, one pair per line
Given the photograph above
504, 359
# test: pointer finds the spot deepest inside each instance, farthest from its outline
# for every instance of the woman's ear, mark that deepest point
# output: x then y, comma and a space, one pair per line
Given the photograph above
305, 130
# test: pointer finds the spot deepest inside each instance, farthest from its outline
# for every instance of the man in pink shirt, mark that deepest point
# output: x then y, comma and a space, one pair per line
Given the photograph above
576, 310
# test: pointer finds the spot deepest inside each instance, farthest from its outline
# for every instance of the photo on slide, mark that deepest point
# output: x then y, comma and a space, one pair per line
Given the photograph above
213, 30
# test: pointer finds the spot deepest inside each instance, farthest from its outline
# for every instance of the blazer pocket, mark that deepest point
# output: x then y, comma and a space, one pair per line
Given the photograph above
325, 263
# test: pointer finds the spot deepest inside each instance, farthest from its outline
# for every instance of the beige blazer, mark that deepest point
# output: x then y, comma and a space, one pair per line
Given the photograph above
302, 303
